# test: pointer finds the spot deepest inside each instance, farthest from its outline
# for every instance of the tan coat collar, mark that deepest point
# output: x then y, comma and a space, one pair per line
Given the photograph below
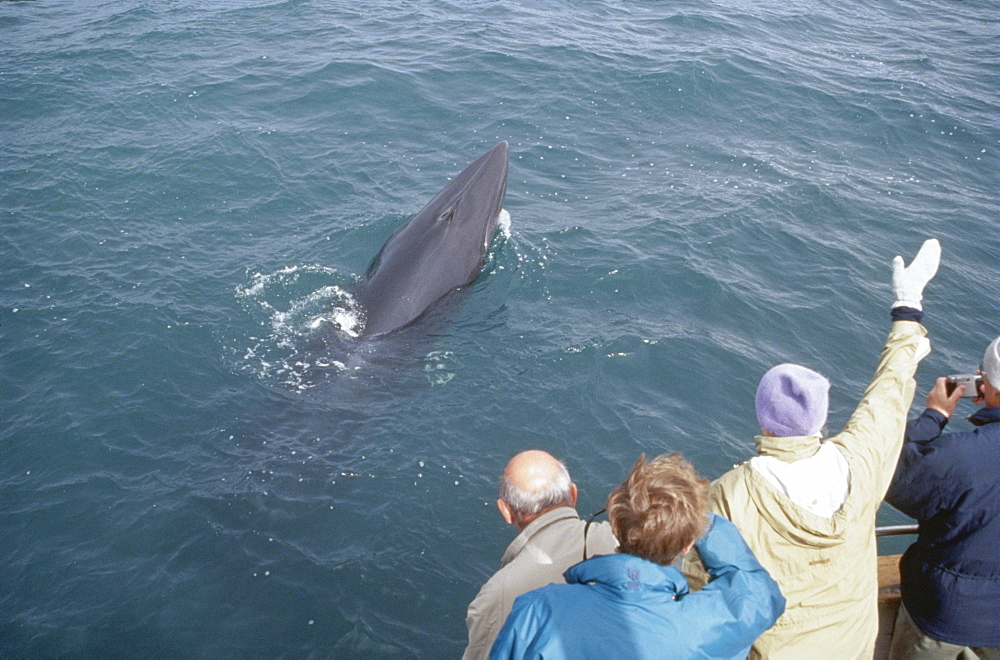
790, 449
535, 527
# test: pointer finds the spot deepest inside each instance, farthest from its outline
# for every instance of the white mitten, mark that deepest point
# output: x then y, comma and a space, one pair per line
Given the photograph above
908, 282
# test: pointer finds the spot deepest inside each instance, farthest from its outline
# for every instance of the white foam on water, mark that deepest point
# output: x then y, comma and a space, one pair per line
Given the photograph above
436, 365
503, 223
297, 304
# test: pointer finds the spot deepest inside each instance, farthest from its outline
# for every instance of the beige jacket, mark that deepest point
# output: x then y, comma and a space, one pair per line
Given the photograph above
826, 567
538, 556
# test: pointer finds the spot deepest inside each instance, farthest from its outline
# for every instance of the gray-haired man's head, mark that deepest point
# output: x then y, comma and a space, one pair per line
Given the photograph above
533, 483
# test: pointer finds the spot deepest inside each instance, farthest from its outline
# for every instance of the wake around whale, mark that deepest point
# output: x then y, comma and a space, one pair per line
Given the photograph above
440, 249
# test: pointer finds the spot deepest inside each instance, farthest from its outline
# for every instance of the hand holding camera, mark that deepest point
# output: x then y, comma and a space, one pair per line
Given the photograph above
944, 396
981, 386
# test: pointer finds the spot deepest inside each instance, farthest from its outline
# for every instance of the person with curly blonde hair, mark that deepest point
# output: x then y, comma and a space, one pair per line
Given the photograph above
635, 603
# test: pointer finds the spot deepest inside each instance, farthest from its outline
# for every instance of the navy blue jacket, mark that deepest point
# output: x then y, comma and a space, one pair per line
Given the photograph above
951, 484
623, 606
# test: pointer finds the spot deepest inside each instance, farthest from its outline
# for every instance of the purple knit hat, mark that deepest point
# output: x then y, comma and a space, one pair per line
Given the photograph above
792, 400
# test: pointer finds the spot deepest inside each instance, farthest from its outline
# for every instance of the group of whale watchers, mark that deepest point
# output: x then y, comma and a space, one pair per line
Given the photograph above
777, 557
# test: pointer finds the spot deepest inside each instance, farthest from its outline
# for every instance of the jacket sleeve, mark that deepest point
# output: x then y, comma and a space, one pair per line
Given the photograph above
921, 486
874, 434
927, 427
519, 631
747, 589
692, 566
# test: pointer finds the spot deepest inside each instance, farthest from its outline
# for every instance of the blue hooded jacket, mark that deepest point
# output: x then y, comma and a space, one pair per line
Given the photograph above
622, 606
950, 577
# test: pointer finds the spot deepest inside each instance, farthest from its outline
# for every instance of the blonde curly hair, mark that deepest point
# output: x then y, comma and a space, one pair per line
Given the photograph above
660, 510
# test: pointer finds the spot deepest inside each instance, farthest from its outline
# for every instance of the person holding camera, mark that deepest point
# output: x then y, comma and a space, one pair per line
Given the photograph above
807, 506
950, 577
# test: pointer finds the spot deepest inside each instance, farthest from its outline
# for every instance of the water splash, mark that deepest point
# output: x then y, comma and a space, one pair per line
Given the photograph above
298, 306
503, 224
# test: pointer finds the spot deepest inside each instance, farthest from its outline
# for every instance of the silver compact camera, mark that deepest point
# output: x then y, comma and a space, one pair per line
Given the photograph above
973, 384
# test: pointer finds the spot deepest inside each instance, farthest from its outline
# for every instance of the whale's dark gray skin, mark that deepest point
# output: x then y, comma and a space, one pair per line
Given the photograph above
440, 249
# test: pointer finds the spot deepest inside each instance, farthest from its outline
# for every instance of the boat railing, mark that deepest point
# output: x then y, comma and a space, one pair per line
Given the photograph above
895, 530
888, 590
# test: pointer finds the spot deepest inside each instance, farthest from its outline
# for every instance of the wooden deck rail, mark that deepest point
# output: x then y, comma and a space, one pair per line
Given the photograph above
888, 590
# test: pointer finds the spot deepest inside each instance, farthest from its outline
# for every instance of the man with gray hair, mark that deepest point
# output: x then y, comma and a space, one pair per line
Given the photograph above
539, 499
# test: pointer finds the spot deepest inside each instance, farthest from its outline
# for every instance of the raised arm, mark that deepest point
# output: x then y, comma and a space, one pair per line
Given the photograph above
874, 434
916, 469
749, 591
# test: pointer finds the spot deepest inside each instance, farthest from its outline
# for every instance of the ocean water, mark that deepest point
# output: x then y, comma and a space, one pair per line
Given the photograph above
195, 462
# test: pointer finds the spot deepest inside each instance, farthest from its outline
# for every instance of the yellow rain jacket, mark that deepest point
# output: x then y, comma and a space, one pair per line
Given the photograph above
826, 567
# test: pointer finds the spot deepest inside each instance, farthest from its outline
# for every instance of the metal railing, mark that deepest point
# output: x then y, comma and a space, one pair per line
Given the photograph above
895, 530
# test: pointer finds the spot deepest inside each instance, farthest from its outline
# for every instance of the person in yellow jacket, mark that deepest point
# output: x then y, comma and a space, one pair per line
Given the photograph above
807, 506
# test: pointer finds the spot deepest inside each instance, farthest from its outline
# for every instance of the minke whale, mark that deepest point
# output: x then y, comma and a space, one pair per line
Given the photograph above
440, 249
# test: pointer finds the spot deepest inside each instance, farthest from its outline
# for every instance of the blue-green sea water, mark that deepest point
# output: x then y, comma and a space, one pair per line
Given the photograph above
193, 464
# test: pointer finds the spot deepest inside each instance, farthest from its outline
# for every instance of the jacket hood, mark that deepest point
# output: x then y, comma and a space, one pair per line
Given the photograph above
788, 448
628, 574
792, 522
986, 415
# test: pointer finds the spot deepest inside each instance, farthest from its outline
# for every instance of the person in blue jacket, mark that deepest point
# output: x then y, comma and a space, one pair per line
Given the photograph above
950, 577
635, 604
